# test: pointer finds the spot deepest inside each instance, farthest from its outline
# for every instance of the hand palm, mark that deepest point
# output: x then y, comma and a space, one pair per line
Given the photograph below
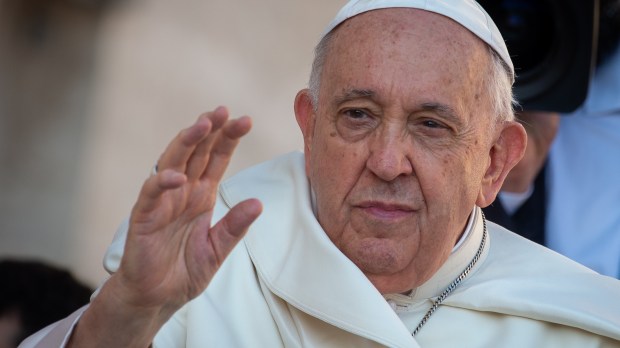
172, 251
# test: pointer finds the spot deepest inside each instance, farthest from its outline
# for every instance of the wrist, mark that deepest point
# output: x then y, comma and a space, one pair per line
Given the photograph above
113, 321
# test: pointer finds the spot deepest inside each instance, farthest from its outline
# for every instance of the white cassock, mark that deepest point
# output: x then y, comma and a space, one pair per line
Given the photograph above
287, 285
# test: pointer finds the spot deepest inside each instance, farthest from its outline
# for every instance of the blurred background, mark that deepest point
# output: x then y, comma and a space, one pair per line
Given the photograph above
91, 91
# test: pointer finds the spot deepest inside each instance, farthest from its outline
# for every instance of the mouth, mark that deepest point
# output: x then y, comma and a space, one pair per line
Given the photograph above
386, 211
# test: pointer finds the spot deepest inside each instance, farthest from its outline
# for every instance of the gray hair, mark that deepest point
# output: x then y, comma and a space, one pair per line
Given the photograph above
499, 88
320, 55
498, 81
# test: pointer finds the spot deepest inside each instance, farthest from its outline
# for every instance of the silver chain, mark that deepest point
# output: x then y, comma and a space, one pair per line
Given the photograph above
456, 281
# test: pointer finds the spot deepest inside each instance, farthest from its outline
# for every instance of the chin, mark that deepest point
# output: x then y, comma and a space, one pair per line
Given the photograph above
386, 263
380, 256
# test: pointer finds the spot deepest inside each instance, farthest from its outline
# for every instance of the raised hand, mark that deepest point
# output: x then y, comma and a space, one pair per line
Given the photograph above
173, 250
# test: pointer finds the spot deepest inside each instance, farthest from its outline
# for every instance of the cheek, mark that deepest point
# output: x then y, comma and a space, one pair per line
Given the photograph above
465, 178
334, 165
335, 168
446, 181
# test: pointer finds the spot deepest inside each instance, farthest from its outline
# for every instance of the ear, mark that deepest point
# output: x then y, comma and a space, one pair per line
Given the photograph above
504, 154
305, 115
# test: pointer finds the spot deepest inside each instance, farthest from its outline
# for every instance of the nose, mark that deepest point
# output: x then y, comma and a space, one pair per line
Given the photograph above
390, 157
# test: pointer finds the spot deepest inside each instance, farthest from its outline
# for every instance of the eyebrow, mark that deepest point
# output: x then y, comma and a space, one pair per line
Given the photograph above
353, 94
443, 110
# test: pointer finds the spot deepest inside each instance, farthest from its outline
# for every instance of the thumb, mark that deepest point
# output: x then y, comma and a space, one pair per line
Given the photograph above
224, 235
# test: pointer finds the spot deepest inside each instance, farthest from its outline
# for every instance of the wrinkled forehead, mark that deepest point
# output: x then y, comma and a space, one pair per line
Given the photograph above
406, 57
430, 31
404, 42
468, 13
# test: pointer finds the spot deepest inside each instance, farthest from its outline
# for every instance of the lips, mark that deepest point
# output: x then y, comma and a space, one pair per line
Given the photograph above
383, 210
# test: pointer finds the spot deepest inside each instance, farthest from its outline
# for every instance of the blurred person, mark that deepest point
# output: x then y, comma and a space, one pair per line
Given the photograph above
374, 235
33, 295
564, 193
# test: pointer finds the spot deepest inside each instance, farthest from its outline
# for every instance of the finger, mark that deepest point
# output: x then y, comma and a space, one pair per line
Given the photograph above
224, 147
200, 156
224, 235
153, 189
182, 146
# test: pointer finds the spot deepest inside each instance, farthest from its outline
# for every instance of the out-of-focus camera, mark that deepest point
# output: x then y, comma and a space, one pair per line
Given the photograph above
553, 47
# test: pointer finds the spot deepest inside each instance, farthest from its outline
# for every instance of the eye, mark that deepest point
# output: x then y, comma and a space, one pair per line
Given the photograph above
355, 114
432, 124
354, 124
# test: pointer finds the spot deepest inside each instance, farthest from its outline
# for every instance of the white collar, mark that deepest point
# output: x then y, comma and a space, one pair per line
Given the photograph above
470, 223
296, 260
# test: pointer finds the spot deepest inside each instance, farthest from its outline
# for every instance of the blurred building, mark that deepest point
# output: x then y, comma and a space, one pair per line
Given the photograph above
92, 90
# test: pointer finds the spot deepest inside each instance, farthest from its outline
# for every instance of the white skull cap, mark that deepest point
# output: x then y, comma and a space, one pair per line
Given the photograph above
468, 13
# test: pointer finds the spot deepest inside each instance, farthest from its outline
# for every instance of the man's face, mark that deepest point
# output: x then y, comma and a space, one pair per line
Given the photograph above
399, 145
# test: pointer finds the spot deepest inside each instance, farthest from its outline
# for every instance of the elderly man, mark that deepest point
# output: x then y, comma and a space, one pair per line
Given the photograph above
372, 237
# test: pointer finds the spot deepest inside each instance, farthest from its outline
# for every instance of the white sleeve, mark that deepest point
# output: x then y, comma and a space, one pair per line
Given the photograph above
54, 335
